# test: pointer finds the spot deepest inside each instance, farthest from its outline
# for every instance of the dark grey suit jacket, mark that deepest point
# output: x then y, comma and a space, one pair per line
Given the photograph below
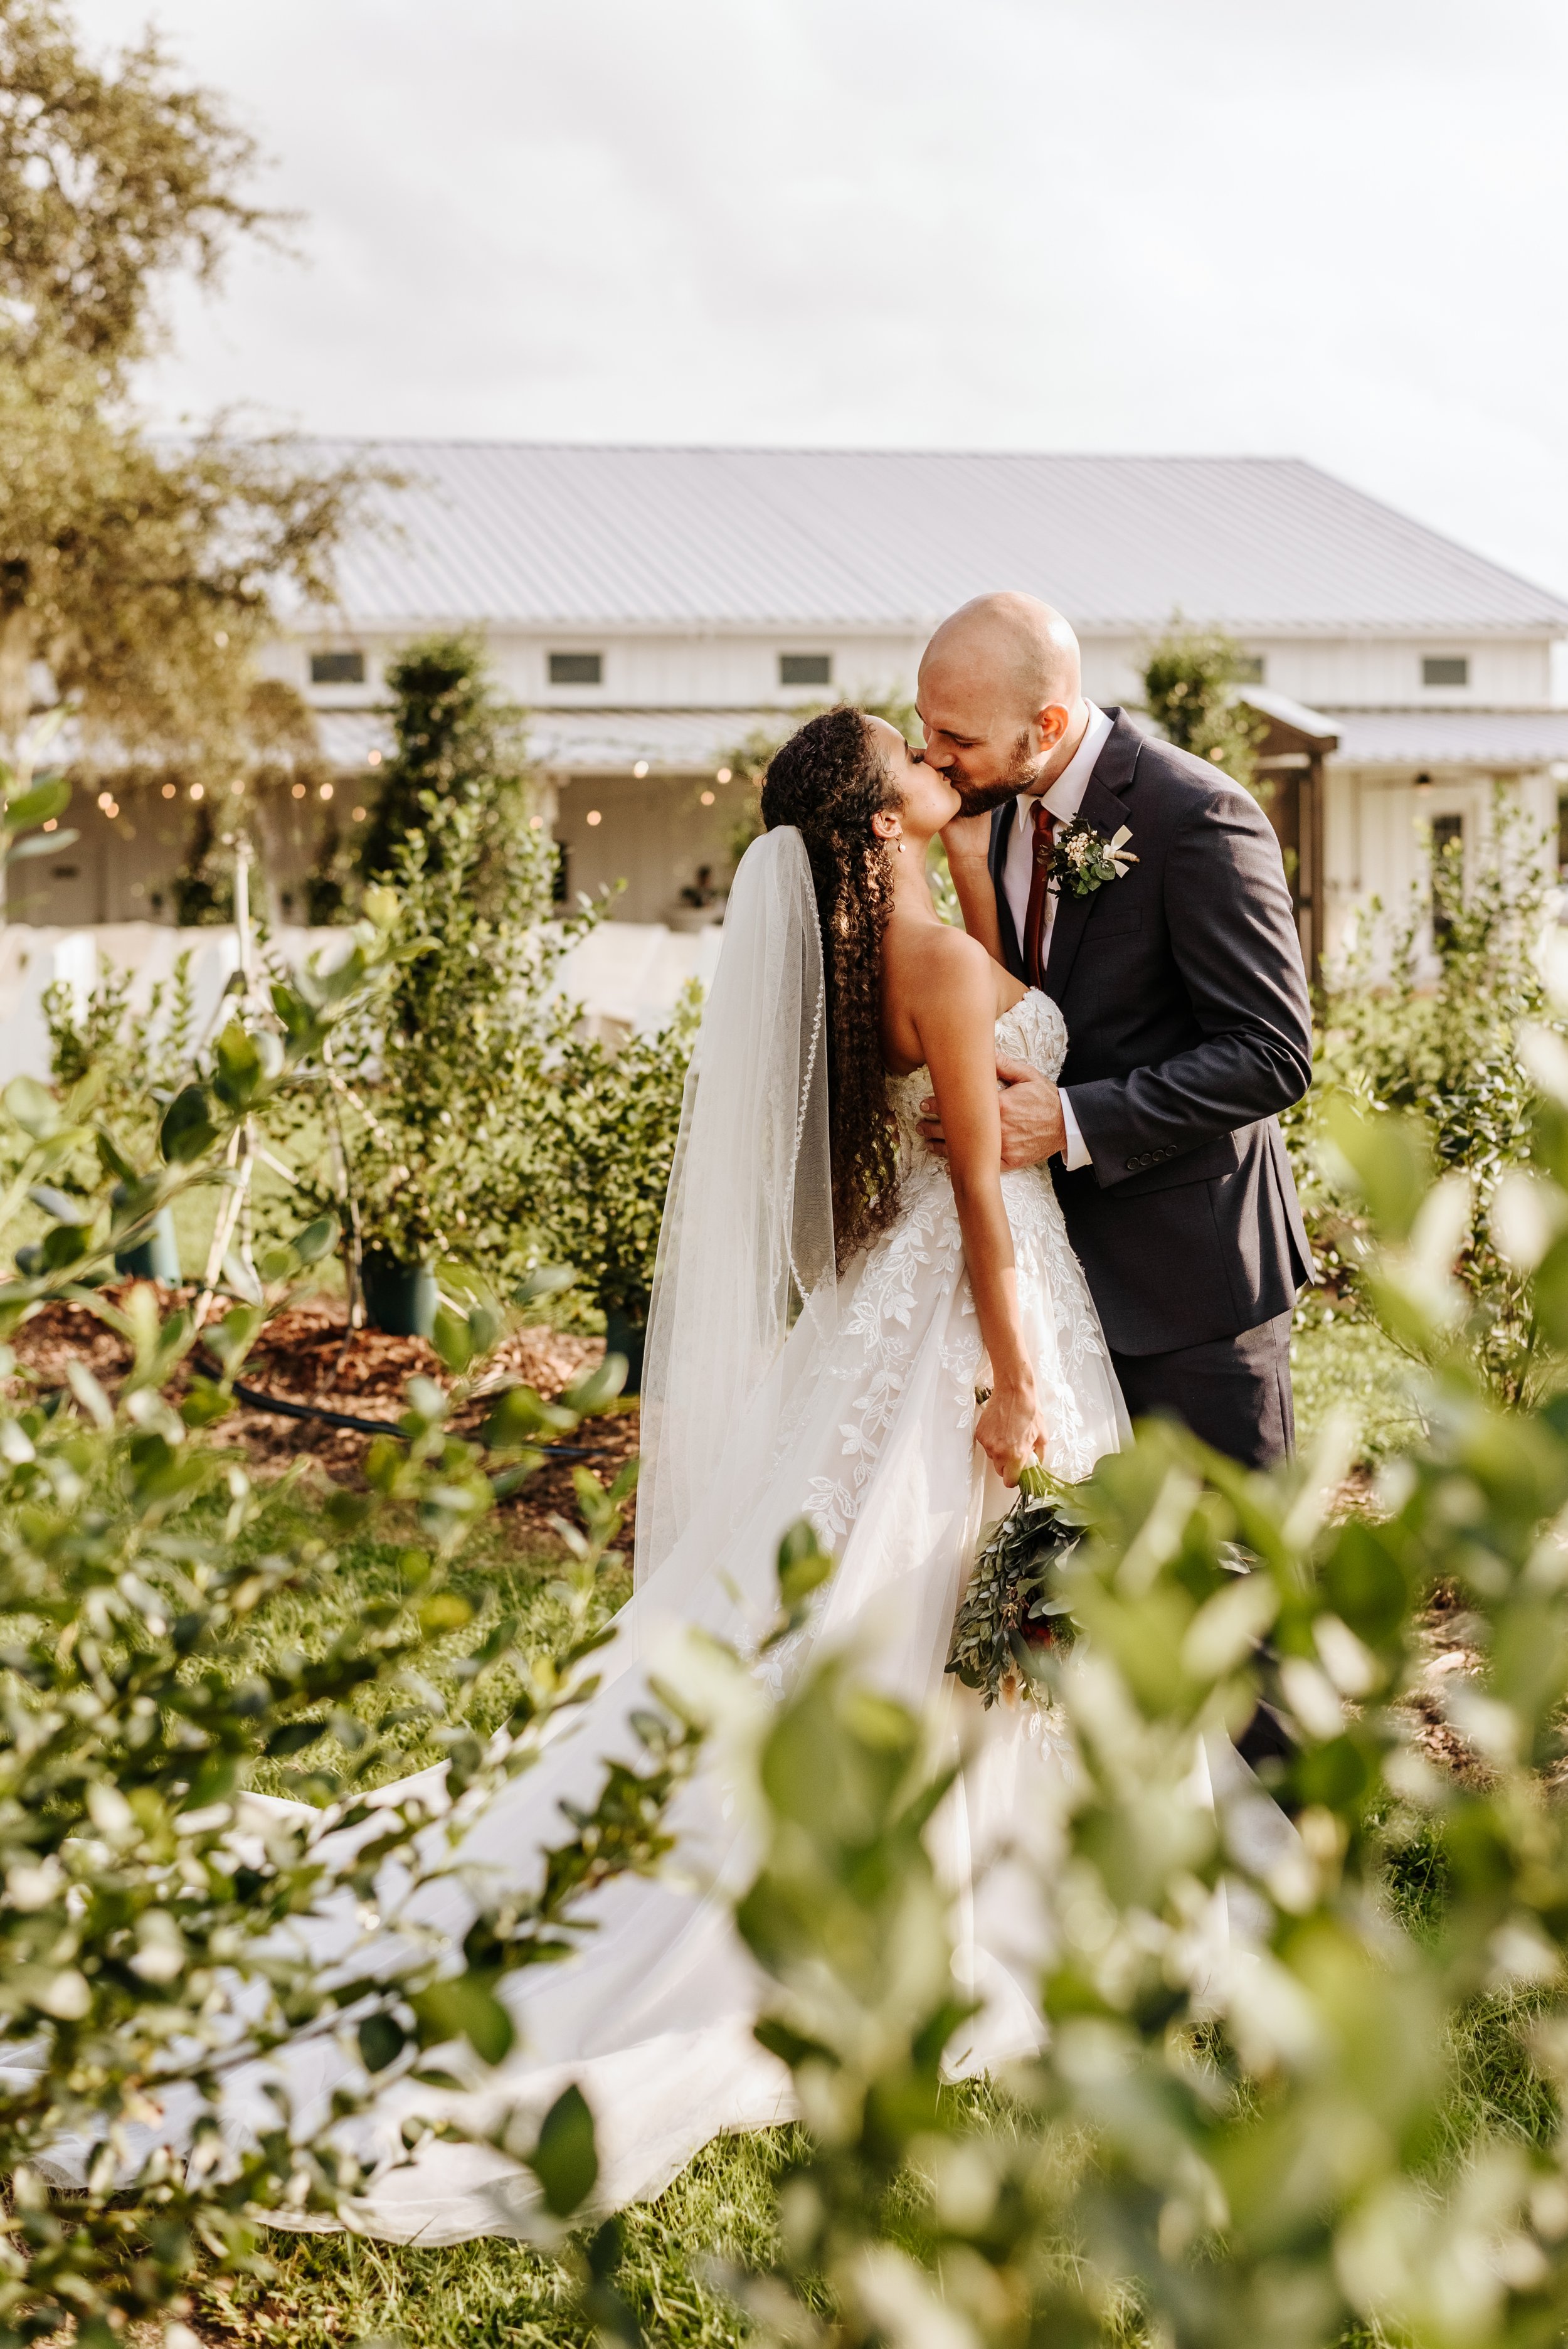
1189, 1027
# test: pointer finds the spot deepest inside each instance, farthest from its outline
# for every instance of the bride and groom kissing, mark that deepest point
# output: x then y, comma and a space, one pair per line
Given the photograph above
944, 1201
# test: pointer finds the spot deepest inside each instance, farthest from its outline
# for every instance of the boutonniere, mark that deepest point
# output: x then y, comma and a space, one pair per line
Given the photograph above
1083, 860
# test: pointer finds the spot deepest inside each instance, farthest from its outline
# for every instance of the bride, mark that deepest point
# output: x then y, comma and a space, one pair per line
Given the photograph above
830, 1301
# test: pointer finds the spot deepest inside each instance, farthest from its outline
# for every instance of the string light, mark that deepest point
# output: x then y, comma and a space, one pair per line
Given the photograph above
296, 791
722, 776
372, 758
326, 790
197, 793
536, 824
359, 815
640, 769
707, 799
169, 791
594, 816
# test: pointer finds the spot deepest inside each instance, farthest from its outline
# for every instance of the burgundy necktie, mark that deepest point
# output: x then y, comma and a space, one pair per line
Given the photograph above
1035, 919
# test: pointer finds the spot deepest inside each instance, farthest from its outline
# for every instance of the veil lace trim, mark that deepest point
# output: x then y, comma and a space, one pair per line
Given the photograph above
745, 1248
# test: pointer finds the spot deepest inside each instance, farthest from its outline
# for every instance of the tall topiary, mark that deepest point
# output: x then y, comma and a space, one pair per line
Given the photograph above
455, 742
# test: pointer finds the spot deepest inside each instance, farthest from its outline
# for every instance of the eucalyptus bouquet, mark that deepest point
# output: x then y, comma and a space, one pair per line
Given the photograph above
1014, 1600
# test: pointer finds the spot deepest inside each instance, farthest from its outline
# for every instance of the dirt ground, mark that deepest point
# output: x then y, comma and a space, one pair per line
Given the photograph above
308, 1355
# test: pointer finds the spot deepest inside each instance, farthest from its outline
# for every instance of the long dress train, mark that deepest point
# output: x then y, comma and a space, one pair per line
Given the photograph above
653, 2017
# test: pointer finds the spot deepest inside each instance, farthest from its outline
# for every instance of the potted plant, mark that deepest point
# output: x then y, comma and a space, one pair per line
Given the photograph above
435, 1098
612, 1119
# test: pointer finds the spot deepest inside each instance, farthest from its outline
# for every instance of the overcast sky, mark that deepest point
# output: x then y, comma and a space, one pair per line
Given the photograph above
1334, 231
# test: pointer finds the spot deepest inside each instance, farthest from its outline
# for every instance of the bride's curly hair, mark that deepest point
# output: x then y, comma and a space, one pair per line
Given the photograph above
828, 781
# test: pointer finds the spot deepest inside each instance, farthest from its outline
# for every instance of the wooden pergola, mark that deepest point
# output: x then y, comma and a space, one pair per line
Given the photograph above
1292, 750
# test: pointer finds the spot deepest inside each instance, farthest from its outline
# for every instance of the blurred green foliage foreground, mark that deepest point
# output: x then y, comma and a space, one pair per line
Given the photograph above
1256, 2119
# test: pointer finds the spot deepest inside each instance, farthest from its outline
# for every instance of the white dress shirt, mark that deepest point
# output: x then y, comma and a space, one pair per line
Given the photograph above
1063, 797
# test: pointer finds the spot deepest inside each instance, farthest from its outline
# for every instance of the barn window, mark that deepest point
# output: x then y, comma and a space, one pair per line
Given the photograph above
1445, 669
337, 669
805, 669
576, 668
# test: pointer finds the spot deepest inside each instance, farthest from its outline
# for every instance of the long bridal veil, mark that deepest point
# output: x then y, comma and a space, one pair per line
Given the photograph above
747, 1244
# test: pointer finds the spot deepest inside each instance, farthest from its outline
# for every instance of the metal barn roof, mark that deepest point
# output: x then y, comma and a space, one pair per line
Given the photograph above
567, 537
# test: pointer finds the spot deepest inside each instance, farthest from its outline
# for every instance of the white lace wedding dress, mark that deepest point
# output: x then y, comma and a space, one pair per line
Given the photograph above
652, 2019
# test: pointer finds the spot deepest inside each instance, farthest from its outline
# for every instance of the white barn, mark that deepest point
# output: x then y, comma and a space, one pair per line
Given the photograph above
649, 607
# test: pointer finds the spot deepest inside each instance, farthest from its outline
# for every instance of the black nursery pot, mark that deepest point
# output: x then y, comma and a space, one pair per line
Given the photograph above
625, 1336
400, 1298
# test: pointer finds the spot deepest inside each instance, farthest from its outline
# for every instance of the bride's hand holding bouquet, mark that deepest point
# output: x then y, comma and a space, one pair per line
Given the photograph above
1011, 1428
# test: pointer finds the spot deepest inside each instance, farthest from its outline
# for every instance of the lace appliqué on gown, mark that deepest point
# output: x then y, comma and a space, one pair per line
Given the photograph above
911, 1290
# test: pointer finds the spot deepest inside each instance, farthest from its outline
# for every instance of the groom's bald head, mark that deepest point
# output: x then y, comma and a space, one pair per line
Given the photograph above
1001, 697
1011, 645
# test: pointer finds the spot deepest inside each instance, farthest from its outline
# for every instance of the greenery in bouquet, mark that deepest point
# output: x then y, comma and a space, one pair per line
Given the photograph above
1013, 1604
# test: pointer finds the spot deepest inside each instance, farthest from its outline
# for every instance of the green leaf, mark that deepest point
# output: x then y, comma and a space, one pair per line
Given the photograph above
44, 801
382, 2040
42, 843
317, 1240
444, 1610
452, 1340
35, 1109
60, 1205
66, 1244
237, 1071
1387, 1159
566, 2159
205, 1404
598, 1388
186, 1132
464, 2007
520, 1416
803, 1564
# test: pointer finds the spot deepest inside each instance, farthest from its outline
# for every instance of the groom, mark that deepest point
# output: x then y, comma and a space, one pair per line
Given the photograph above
1181, 984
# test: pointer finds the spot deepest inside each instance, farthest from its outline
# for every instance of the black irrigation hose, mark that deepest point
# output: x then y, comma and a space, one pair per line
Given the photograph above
284, 1410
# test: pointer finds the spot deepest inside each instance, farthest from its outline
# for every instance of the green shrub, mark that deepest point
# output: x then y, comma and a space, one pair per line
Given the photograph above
1304, 2080
608, 1121
1426, 1016
1189, 687
153, 1917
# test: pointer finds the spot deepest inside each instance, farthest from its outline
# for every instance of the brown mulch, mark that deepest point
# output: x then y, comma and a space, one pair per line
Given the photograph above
308, 1355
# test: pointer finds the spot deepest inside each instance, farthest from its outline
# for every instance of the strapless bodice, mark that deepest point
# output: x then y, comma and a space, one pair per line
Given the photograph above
1033, 1031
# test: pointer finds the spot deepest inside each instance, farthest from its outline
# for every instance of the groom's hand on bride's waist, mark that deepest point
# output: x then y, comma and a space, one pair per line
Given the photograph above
1033, 1128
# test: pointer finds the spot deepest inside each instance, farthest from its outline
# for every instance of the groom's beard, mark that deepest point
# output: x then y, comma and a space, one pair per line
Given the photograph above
979, 799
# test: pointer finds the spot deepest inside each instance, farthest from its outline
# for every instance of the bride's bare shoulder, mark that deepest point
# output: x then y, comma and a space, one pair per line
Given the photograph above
932, 971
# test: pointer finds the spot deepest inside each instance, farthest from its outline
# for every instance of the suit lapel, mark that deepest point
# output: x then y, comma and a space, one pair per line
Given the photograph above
1102, 807
1002, 822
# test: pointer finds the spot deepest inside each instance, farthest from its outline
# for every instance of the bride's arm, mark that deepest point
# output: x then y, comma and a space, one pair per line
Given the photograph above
967, 840
955, 1018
